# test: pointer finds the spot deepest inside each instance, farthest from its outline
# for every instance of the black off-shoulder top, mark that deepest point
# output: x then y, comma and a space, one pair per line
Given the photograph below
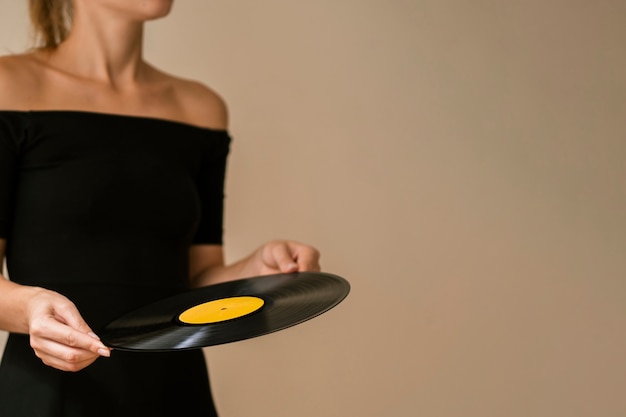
103, 208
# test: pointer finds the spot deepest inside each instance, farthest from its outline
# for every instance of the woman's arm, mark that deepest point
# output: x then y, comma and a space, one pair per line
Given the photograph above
58, 334
206, 262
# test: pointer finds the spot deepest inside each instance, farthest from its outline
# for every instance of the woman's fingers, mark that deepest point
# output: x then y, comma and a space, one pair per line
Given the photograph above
308, 259
281, 258
63, 357
68, 314
59, 335
63, 347
51, 329
289, 256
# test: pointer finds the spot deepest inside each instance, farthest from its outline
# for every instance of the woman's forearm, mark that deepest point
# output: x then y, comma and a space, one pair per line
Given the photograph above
14, 300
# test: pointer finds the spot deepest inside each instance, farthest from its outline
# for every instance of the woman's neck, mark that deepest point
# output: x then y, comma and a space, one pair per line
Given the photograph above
102, 48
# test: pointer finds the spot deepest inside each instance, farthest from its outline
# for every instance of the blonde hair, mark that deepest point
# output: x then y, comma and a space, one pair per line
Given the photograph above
50, 21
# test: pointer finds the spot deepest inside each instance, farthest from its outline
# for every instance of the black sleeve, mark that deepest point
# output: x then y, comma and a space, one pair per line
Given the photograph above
12, 128
210, 183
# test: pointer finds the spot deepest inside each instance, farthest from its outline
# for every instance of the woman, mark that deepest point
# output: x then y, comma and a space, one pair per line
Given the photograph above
111, 189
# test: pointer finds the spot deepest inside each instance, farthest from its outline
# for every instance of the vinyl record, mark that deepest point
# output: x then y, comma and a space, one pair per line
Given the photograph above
226, 312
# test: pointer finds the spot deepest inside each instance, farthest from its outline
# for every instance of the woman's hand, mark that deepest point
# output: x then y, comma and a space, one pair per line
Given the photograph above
59, 335
278, 256
284, 256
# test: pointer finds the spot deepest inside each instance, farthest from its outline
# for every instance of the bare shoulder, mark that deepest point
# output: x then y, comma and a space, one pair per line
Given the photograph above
203, 105
19, 80
200, 104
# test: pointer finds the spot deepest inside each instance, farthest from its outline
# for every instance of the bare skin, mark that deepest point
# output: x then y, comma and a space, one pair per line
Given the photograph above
100, 68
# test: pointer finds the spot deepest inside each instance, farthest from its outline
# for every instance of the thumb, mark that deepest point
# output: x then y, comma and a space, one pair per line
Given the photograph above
68, 314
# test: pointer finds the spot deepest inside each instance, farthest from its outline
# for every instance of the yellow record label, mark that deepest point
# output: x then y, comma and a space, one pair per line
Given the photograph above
221, 310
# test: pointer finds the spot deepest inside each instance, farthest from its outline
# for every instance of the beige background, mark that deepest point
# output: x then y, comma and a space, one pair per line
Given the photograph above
461, 163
